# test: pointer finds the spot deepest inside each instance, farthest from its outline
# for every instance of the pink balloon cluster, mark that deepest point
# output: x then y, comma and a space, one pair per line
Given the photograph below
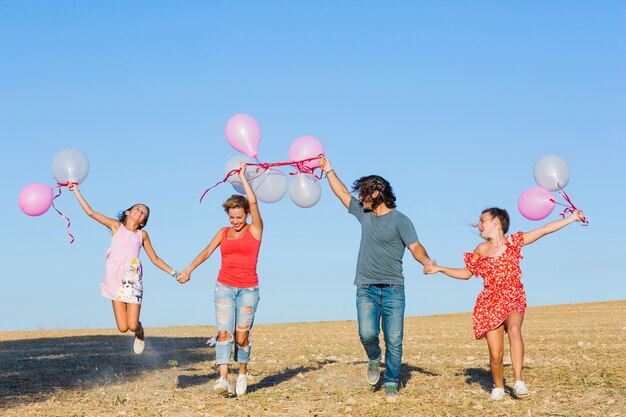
68, 165
270, 184
551, 173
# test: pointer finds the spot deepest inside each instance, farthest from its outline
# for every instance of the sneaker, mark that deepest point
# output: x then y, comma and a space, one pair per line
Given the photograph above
520, 389
497, 394
373, 373
391, 393
222, 387
140, 343
242, 384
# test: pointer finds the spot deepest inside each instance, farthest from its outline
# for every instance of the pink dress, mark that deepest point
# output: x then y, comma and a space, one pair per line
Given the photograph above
122, 278
503, 291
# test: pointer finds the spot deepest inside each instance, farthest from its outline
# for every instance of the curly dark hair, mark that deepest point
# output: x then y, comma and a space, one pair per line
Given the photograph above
367, 186
237, 201
500, 214
121, 216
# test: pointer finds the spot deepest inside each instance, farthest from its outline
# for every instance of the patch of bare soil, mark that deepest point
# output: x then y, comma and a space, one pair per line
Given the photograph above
575, 365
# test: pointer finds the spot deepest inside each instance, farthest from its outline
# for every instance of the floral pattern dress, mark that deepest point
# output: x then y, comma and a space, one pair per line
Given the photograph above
503, 291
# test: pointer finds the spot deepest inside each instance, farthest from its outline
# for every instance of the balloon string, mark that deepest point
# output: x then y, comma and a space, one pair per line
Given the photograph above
299, 165
569, 208
58, 187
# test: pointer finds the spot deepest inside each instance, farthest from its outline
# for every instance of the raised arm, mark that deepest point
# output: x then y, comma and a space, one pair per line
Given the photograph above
336, 185
185, 274
147, 245
257, 221
112, 224
534, 235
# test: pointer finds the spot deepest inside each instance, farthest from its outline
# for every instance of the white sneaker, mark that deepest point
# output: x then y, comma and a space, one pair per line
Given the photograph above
222, 387
139, 344
520, 389
497, 394
242, 384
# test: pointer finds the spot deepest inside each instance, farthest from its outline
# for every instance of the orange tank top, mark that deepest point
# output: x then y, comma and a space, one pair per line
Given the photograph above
239, 259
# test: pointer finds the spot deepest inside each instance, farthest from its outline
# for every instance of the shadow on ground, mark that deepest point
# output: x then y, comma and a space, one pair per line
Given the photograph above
185, 381
32, 369
479, 376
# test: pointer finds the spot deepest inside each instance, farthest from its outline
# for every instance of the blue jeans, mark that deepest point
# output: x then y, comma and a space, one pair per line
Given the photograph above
382, 304
234, 311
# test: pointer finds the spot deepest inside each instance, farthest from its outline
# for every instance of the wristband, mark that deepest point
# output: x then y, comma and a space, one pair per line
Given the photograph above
328, 172
174, 273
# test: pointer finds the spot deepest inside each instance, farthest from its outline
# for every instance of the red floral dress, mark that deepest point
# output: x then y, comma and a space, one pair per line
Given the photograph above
503, 291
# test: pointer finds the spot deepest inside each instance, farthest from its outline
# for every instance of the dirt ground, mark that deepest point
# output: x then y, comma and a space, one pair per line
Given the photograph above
575, 365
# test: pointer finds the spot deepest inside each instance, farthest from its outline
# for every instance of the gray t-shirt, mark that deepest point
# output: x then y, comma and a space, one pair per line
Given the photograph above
383, 241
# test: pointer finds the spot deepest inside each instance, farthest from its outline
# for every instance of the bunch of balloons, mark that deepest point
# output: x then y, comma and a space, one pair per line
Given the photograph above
68, 166
269, 183
551, 174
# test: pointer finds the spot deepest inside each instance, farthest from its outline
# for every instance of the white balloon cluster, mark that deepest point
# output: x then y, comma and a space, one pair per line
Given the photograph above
268, 182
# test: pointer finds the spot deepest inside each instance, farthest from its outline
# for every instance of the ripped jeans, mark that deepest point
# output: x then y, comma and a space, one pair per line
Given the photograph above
234, 311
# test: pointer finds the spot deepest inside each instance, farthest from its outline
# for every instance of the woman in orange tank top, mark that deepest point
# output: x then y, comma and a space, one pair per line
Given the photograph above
237, 287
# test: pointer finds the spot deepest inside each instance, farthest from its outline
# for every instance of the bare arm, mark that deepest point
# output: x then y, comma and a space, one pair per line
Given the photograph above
257, 221
112, 224
458, 273
185, 274
419, 253
536, 234
335, 183
147, 245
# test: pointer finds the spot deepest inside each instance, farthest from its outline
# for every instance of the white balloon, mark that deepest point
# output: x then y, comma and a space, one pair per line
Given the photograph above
270, 185
70, 165
305, 191
234, 180
551, 172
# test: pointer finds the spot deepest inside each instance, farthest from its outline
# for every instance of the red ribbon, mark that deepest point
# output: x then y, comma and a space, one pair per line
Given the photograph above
59, 185
299, 165
569, 208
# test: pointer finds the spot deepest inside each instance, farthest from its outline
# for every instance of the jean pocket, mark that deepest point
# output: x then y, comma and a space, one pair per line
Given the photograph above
398, 289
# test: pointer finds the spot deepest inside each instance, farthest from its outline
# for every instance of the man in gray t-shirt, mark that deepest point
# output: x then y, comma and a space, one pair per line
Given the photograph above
385, 234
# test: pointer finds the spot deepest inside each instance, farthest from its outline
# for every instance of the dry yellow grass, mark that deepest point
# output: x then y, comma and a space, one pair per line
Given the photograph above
575, 366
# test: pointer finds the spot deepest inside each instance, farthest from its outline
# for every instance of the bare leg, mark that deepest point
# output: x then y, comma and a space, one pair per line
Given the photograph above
119, 309
223, 336
495, 342
513, 325
132, 319
242, 341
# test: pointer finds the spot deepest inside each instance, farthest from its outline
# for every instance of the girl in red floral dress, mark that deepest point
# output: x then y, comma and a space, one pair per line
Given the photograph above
501, 305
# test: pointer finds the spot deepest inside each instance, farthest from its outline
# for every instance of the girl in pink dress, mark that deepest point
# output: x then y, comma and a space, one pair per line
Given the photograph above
122, 282
501, 305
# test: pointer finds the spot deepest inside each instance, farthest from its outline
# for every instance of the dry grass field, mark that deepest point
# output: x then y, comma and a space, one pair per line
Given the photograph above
575, 366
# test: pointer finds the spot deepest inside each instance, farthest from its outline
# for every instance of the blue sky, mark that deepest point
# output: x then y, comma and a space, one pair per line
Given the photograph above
452, 102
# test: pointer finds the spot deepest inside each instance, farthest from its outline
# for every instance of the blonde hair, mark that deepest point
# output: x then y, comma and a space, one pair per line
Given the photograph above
237, 201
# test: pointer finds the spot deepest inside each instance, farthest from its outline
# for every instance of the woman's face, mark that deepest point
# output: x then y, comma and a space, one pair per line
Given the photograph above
487, 225
139, 213
237, 217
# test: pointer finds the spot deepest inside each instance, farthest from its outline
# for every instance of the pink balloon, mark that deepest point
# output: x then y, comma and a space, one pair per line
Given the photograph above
306, 147
244, 134
35, 199
536, 203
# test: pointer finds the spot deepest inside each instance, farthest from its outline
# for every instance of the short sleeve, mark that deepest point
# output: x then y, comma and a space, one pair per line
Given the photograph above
407, 231
472, 265
355, 209
517, 241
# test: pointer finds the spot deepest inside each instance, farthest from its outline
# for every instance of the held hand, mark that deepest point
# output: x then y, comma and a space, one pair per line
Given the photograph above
183, 276
431, 268
72, 186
